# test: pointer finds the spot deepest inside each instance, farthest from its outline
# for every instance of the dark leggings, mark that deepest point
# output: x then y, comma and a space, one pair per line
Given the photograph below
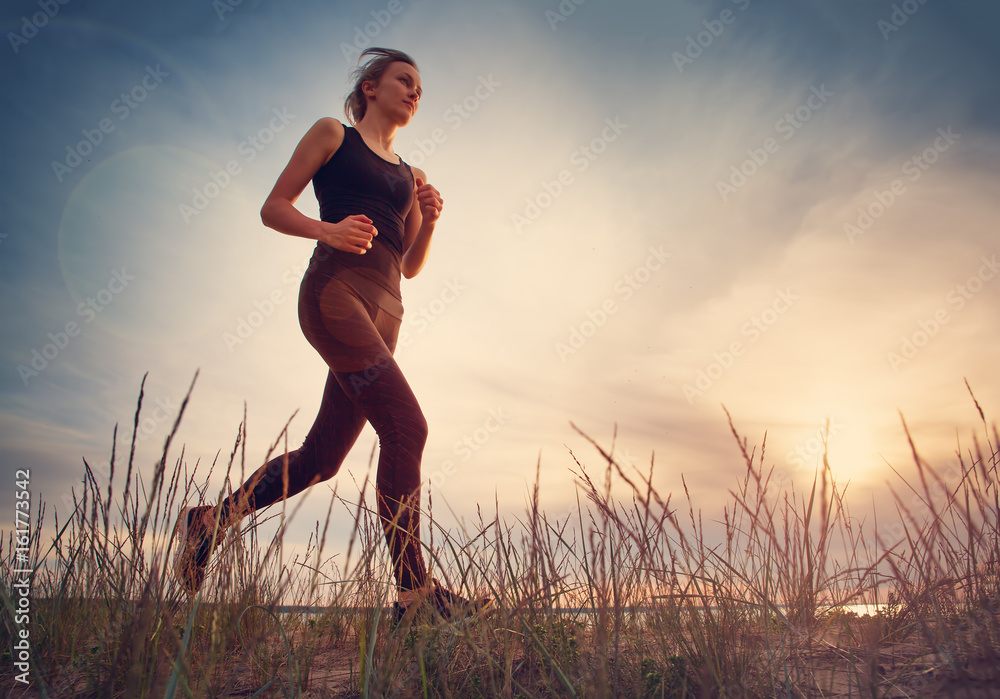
356, 338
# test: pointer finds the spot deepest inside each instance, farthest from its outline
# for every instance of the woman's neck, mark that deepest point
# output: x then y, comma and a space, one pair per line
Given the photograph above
378, 132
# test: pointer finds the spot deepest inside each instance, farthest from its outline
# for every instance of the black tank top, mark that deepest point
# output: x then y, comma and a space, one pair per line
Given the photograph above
356, 180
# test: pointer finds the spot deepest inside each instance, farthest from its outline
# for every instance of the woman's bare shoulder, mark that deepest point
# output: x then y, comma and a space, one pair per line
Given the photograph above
326, 135
329, 128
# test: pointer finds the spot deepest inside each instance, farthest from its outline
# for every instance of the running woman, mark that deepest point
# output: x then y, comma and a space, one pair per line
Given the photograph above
377, 218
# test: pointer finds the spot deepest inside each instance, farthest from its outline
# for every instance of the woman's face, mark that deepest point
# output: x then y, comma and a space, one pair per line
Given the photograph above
398, 92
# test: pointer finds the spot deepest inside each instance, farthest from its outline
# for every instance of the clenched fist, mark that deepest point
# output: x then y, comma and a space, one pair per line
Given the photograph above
429, 200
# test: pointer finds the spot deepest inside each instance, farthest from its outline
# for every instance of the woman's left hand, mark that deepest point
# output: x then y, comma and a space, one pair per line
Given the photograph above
430, 201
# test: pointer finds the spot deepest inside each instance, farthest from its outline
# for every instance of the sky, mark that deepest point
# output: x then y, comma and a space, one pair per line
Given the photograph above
654, 213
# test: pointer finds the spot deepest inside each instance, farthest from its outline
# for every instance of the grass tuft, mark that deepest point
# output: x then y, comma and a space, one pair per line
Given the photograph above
627, 596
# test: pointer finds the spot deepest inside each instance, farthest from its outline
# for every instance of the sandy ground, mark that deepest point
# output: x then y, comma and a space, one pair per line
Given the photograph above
828, 667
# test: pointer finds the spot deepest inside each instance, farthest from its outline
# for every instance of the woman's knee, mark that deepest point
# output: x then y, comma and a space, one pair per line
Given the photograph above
402, 450
411, 431
402, 426
327, 470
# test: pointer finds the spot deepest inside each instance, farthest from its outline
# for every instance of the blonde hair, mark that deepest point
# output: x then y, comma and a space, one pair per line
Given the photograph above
356, 103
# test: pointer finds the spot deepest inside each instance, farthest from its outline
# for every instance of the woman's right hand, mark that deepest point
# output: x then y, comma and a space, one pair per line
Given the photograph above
353, 234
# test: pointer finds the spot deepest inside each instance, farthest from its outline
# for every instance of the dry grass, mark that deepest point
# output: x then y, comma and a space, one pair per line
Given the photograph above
626, 597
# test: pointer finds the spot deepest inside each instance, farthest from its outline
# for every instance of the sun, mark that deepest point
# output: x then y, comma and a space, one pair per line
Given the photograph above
851, 435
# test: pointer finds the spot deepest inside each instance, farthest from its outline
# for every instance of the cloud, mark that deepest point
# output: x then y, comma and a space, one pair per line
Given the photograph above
565, 162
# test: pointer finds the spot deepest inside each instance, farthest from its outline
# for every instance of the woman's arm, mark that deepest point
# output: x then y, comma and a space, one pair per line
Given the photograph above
419, 225
321, 140
353, 234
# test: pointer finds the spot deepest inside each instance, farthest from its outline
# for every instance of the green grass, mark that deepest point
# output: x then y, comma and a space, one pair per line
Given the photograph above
629, 596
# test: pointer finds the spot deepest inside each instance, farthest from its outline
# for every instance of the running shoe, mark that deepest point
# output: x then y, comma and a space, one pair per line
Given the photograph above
448, 605
194, 546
